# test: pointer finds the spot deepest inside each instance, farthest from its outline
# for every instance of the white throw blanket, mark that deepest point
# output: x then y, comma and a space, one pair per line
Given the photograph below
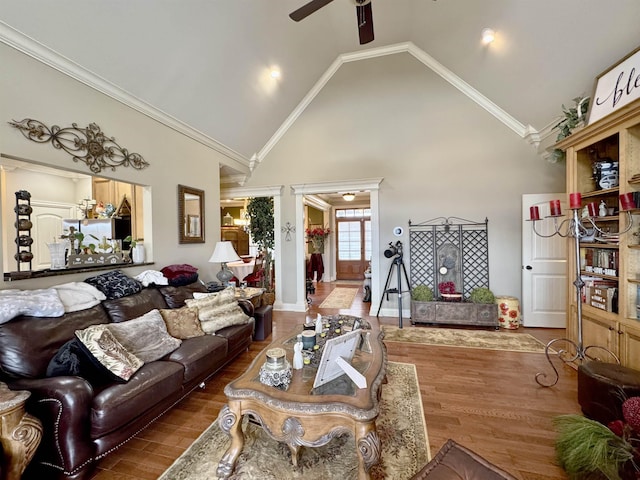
37, 303
78, 296
152, 276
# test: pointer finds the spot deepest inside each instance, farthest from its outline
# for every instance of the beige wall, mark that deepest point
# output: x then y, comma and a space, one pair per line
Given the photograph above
31, 89
440, 155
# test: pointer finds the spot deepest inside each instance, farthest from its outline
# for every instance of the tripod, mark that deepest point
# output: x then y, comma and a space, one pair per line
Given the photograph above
399, 264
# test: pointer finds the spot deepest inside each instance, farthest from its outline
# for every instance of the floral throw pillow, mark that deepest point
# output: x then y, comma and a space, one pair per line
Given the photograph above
115, 284
105, 351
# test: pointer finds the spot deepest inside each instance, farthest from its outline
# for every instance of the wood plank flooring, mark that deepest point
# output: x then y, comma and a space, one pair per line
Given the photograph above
486, 400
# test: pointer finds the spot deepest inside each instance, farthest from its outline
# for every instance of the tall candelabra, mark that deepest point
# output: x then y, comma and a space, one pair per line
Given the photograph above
578, 228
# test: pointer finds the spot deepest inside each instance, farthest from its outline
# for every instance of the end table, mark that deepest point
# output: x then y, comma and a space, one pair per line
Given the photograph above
20, 433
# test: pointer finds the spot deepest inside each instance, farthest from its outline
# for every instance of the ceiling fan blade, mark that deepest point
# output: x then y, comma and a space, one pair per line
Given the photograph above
307, 9
365, 23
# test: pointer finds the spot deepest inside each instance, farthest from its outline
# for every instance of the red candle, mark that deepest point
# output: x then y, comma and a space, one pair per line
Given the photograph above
554, 206
534, 213
626, 201
575, 200
593, 209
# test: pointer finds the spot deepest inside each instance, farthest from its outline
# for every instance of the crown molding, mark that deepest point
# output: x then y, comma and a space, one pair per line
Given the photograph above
316, 202
338, 186
528, 133
36, 50
245, 192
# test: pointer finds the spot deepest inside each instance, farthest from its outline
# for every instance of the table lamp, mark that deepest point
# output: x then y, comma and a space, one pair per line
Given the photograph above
223, 253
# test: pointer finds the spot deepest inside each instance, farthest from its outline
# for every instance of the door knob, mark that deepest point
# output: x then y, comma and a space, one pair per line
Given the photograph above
529, 267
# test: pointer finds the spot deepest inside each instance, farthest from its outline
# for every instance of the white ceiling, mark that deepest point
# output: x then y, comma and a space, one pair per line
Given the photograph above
206, 62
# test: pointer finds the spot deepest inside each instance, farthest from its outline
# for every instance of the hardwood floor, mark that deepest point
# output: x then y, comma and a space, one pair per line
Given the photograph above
486, 400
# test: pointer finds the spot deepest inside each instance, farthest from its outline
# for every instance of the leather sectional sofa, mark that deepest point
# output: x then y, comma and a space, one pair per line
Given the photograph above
83, 422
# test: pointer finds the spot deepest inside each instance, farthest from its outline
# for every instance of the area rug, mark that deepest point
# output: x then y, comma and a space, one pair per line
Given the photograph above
400, 426
452, 337
340, 298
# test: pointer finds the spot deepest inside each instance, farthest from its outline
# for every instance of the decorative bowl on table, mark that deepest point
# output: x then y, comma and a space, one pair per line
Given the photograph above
452, 297
246, 258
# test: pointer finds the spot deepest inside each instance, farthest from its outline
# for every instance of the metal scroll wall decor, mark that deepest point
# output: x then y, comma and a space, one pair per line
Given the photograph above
449, 250
87, 145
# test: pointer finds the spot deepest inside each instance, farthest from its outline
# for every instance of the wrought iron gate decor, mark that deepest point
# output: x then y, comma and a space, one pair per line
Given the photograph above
449, 249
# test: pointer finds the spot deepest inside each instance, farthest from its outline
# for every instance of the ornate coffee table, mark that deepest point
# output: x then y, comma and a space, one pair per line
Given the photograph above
301, 416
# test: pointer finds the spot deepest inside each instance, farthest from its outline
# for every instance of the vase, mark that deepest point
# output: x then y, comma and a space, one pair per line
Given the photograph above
138, 253
57, 251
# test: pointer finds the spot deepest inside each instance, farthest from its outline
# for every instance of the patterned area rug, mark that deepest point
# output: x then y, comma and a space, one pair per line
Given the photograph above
451, 337
340, 298
400, 426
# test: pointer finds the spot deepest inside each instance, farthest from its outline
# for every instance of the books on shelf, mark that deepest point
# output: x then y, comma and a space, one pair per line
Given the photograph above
601, 261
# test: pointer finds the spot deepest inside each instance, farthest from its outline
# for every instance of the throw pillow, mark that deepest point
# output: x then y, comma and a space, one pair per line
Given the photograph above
115, 284
72, 360
146, 337
218, 310
36, 303
182, 322
102, 348
77, 296
181, 274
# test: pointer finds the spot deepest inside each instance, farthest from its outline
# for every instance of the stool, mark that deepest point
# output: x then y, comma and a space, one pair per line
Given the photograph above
603, 388
508, 312
264, 319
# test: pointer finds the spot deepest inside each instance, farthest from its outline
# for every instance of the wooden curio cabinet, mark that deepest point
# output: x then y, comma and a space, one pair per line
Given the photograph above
603, 162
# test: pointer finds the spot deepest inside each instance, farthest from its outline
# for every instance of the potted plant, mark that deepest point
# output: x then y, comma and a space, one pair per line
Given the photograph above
482, 295
136, 251
574, 117
422, 298
261, 225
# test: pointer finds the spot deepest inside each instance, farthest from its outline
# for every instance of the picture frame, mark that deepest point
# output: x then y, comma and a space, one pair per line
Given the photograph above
616, 87
343, 348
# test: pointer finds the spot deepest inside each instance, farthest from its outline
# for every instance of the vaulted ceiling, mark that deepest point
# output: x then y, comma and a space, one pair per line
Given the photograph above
207, 62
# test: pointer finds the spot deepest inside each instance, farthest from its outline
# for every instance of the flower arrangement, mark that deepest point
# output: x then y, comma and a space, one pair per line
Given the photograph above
446, 288
317, 233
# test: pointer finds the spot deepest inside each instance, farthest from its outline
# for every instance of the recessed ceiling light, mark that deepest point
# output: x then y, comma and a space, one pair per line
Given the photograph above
488, 35
275, 73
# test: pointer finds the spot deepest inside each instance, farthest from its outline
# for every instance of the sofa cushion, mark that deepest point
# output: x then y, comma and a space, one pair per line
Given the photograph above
218, 310
175, 296
27, 344
200, 356
36, 303
119, 404
182, 322
103, 349
146, 337
133, 306
115, 284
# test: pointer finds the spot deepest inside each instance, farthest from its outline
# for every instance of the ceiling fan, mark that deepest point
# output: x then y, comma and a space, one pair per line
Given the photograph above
363, 14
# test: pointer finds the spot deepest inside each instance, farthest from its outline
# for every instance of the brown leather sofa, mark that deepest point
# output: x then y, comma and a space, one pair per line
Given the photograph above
83, 423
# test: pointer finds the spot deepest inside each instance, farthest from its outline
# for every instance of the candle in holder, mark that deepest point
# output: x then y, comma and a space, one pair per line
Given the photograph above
626, 201
534, 213
575, 200
592, 208
554, 206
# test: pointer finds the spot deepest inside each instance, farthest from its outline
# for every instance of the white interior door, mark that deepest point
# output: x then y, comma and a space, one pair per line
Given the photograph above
544, 266
47, 225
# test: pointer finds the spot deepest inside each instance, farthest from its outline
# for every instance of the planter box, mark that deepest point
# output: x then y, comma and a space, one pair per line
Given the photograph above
82, 260
451, 313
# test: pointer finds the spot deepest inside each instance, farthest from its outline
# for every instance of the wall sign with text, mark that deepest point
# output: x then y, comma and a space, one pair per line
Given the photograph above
616, 87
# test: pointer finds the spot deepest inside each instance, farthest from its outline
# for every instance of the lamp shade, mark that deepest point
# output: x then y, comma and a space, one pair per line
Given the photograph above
223, 253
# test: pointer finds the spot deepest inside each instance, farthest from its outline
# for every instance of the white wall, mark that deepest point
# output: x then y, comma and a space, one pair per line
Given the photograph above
440, 155
30, 89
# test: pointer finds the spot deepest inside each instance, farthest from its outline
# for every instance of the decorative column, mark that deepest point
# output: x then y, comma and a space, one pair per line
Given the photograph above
20, 433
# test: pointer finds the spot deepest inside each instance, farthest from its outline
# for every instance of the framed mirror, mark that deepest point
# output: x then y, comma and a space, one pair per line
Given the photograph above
190, 214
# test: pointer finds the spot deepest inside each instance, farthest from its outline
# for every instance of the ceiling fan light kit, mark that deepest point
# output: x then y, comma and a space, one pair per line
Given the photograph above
364, 16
